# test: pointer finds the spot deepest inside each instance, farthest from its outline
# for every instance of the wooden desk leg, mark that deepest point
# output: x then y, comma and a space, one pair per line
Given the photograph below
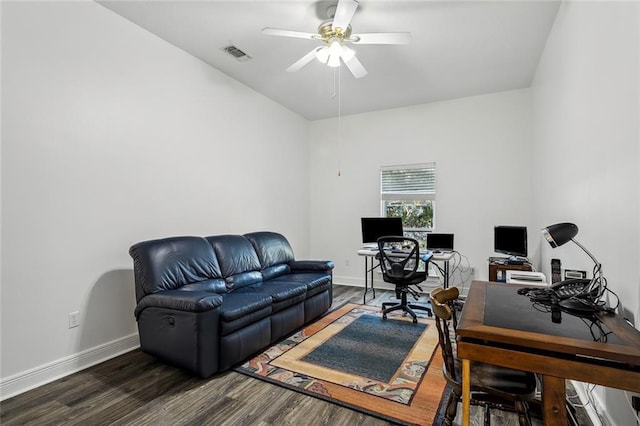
553, 401
466, 391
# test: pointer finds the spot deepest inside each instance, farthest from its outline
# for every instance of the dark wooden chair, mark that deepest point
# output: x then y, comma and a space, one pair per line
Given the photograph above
491, 386
448, 296
399, 261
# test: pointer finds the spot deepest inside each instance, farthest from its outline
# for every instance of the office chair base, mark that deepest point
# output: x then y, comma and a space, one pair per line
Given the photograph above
408, 308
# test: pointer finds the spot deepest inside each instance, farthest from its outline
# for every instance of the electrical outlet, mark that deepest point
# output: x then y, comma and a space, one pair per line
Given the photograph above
74, 319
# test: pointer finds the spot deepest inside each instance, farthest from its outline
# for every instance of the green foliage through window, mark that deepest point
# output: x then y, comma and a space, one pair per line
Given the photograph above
414, 213
409, 192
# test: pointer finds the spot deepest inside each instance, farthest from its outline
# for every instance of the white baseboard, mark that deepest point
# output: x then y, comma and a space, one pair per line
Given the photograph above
350, 281
30, 379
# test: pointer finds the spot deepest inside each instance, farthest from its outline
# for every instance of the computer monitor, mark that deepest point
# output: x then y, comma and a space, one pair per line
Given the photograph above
376, 227
511, 240
439, 242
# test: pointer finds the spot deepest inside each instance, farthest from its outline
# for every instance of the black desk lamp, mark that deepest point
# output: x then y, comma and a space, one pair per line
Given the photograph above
562, 233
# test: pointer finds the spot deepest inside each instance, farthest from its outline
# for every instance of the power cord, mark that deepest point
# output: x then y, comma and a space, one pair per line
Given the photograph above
462, 269
589, 300
591, 403
634, 403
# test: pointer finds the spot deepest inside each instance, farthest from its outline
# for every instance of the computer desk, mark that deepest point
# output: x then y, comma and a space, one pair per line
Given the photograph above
371, 263
501, 327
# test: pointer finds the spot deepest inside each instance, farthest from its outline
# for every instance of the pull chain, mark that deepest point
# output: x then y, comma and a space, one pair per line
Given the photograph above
337, 71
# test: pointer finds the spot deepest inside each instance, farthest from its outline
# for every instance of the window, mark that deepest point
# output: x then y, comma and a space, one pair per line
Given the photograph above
409, 192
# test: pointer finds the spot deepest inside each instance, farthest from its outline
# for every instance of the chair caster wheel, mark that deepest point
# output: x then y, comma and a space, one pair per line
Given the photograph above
415, 320
384, 316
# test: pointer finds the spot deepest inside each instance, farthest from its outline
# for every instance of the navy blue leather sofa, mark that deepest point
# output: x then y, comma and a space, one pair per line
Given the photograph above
206, 304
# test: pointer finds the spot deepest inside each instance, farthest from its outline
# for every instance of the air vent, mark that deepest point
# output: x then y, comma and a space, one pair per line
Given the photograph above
237, 53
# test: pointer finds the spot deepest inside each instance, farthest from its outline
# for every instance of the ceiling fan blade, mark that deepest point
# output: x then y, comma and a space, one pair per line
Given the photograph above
303, 61
344, 13
380, 38
288, 33
356, 67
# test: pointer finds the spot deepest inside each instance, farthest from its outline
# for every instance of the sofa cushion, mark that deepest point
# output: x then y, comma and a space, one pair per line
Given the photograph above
240, 310
272, 248
275, 271
314, 282
238, 260
170, 263
325, 266
213, 286
236, 305
283, 294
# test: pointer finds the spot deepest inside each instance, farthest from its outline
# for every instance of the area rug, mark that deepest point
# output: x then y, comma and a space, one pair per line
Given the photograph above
386, 368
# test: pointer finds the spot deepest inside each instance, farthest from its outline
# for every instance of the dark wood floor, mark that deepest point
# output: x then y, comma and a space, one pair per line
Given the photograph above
135, 389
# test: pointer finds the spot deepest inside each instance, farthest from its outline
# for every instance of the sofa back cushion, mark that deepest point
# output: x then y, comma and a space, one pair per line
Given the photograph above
171, 263
239, 261
274, 252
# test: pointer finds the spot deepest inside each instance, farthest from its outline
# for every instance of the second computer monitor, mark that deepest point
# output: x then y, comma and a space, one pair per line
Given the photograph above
376, 227
439, 242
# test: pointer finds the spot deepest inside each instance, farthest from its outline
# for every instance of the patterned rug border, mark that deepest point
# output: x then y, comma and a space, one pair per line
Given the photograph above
406, 415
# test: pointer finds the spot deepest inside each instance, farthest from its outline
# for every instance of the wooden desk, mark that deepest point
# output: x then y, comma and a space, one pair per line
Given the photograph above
371, 263
498, 326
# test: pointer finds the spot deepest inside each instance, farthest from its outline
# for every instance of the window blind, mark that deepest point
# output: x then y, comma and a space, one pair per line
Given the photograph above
409, 182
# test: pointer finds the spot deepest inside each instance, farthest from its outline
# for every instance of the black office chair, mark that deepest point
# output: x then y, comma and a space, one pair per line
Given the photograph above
491, 386
399, 260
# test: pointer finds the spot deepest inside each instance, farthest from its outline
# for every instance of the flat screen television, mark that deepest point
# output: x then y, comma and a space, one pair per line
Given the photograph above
376, 227
439, 242
511, 240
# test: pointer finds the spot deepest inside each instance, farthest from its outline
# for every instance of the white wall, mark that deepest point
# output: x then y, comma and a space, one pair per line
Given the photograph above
481, 146
112, 136
586, 97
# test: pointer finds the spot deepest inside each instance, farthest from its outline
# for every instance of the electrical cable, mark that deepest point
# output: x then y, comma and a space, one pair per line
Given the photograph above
586, 297
595, 406
628, 398
460, 269
591, 402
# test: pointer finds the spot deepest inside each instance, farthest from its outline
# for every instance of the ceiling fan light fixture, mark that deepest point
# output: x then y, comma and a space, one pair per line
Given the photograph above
335, 46
335, 51
322, 54
347, 54
334, 61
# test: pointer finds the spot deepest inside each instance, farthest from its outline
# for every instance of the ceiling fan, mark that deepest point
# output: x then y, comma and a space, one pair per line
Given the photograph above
334, 34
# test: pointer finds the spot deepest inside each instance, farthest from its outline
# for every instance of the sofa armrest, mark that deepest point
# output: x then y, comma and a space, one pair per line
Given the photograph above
179, 300
311, 266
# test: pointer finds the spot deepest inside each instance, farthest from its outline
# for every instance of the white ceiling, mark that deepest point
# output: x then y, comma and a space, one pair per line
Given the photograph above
457, 49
